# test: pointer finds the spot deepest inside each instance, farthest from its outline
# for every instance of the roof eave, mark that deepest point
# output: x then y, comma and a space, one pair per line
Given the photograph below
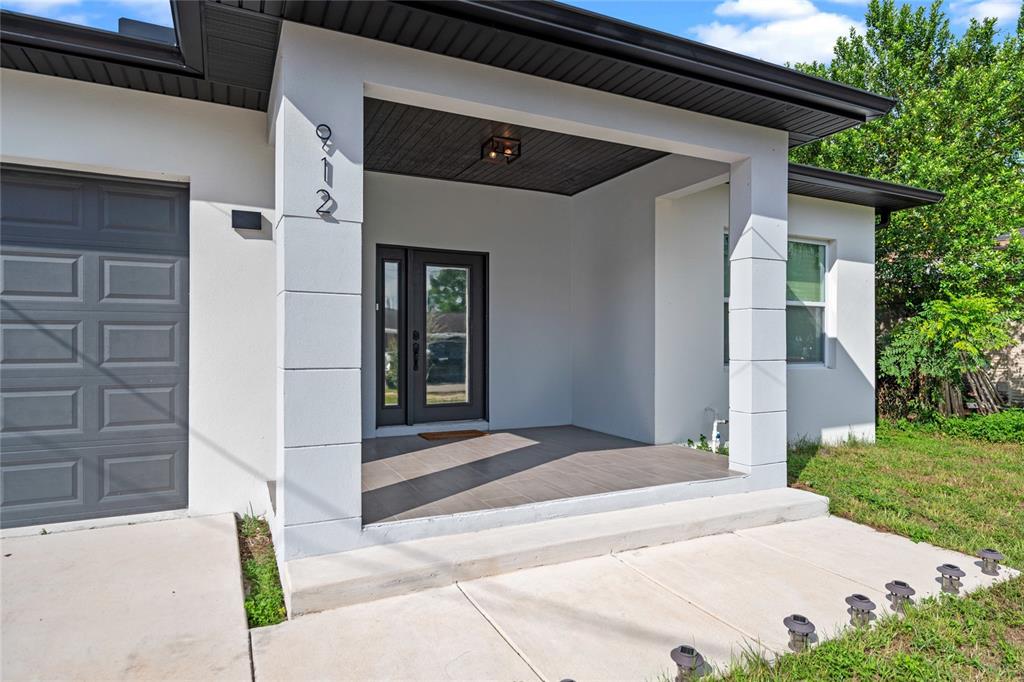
617, 39
57, 36
896, 196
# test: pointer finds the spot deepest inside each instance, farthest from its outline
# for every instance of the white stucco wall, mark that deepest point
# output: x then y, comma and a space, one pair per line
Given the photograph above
832, 403
526, 237
824, 402
222, 152
690, 315
613, 244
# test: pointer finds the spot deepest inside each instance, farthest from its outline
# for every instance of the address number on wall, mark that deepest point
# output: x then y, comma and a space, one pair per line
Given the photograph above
326, 206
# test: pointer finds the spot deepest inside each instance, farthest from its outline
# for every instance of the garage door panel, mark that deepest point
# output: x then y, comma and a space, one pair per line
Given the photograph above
36, 341
59, 411
55, 279
27, 274
43, 411
77, 483
126, 215
28, 483
138, 343
93, 346
144, 405
31, 204
132, 279
146, 472
32, 342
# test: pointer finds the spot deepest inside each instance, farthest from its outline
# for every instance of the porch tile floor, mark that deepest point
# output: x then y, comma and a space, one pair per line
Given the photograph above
409, 477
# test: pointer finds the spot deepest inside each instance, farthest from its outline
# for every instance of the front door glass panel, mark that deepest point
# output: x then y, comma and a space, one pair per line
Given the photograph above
447, 332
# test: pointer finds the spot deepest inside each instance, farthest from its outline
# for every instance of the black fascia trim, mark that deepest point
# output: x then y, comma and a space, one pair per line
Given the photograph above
912, 196
188, 27
615, 39
57, 36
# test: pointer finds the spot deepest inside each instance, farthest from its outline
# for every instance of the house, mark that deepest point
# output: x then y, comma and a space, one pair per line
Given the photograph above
246, 263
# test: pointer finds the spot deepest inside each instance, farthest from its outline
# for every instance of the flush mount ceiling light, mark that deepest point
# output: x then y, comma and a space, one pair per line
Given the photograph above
501, 150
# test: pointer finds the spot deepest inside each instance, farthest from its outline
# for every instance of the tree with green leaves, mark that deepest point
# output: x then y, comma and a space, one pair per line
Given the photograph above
957, 127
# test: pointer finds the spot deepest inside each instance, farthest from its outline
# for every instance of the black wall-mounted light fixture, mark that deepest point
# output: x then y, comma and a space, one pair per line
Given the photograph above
501, 150
246, 220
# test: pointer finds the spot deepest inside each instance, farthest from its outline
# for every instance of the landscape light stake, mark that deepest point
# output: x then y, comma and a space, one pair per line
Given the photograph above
990, 559
801, 629
860, 609
900, 594
689, 662
951, 574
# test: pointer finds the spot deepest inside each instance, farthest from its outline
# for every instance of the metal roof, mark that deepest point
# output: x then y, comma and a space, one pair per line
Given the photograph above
227, 48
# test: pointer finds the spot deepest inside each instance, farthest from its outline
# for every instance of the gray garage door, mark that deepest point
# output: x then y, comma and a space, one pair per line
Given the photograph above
93, 349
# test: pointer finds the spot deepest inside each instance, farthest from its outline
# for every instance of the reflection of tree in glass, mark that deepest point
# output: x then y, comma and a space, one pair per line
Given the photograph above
447, 290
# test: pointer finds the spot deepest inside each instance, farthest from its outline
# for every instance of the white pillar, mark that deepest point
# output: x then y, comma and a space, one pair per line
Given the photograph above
758, 235
319, 289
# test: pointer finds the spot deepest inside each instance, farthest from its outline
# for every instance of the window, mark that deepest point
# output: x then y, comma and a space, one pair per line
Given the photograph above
805, 301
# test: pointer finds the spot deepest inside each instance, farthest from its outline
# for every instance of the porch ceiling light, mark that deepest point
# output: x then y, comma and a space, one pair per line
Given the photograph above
501, 150
990, 559
801, 631
861, 607
950, 577
900, 594
689, 662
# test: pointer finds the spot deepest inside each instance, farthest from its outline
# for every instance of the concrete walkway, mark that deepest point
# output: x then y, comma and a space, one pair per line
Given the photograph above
158, 600
613, 617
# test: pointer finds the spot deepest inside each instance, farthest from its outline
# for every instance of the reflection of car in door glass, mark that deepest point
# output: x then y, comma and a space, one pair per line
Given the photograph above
446, 361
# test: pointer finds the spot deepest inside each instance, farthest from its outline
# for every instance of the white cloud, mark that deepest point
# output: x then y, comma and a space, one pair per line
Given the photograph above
1004, 11
765, 9
795, 31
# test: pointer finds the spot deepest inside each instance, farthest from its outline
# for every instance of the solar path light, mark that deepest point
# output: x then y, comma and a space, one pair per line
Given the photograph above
990, 559
860, 609
689, 663
900, 594
801, 629
950, 578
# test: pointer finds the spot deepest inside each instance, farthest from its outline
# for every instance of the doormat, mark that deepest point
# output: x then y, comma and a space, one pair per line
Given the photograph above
452, 435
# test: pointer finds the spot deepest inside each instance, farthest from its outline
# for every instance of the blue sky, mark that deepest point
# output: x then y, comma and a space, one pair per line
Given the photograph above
775, 30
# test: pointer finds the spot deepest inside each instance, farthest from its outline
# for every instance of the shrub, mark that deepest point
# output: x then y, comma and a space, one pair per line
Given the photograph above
1002, 427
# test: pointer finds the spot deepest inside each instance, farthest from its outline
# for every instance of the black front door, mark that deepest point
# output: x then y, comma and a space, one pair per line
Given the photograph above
431, 320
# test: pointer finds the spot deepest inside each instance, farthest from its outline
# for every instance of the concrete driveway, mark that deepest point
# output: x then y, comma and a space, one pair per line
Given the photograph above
614, 617
158, 600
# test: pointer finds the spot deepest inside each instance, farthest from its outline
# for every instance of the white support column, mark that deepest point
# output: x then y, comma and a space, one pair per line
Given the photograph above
319, 290
758, 234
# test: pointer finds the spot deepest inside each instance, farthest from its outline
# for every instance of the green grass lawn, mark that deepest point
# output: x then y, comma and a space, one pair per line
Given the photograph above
951, 492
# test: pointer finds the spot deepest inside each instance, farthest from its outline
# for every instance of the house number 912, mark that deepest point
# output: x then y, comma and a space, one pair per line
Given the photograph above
323, 132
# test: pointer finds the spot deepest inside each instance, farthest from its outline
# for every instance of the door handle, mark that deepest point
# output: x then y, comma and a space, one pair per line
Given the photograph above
415, 357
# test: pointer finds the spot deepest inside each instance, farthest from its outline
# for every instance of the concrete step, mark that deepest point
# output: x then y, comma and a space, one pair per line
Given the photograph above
367, 574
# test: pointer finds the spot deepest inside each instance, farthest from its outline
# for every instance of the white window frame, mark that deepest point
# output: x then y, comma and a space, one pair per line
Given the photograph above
827, 316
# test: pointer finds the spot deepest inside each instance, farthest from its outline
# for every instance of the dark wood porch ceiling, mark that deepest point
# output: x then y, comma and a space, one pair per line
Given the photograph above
427, 143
